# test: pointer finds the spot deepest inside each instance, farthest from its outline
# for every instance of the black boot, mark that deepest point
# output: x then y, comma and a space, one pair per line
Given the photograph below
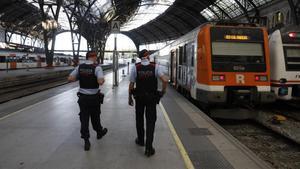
149, 151
101, 133
87, 145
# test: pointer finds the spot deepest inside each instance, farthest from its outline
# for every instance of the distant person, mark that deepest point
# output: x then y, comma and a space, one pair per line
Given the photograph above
90, 77
145, 75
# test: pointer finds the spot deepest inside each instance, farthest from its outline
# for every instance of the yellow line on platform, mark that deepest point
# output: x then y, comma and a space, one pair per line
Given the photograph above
184, 154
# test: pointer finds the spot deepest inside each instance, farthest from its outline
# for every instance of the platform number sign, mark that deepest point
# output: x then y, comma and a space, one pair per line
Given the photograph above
115, 26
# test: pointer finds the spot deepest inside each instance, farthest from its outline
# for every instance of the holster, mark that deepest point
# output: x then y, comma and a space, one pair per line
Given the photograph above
90, 100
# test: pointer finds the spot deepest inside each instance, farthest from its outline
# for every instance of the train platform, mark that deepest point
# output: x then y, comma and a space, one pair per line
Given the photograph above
9, 74
45, 134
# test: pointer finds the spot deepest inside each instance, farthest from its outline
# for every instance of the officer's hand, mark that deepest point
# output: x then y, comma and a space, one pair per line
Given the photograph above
130, 101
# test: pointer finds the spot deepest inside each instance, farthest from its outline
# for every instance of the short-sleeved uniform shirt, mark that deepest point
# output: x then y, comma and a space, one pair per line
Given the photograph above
145, 62
98, 74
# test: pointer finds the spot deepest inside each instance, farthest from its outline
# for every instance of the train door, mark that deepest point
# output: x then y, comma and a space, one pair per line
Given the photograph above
179, 53
173, 67
190, 66
184, 67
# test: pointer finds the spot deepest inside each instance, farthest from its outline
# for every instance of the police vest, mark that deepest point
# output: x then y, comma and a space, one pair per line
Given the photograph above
146, 82
87, 77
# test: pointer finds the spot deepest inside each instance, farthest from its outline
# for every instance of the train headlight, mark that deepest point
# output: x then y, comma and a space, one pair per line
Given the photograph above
261, 78
218, 77
294, 35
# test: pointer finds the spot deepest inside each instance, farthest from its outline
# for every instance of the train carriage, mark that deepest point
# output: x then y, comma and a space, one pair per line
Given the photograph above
285, 63
221, 64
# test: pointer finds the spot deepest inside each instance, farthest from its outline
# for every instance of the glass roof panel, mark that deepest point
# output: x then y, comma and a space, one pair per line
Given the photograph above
147, 11
208, 14
101, 7
230, 7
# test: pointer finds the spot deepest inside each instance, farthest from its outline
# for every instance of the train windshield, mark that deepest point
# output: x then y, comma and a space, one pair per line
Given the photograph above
292, 58
237, 56
237, 52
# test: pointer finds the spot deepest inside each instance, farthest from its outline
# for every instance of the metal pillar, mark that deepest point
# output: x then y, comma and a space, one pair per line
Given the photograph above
115, 65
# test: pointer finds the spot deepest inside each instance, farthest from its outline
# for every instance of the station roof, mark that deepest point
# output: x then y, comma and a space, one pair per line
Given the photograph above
177, 17
183, 16
20, 16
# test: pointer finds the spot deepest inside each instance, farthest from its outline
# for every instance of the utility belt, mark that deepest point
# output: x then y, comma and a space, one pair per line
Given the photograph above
149, 97
91, 99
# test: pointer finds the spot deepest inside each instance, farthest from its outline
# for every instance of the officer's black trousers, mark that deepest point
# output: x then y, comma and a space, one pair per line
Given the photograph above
88, 110
150, 121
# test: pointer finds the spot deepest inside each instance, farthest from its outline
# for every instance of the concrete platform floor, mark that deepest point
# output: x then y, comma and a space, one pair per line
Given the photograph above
46, 135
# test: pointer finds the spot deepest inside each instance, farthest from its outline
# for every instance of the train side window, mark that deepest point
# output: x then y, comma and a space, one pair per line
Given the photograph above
192, 56
180, 55
279, 18
179, 72
185, 53
273, 21
2, 59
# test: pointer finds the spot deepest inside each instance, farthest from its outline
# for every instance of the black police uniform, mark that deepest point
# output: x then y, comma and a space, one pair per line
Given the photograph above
89, 104
146, 98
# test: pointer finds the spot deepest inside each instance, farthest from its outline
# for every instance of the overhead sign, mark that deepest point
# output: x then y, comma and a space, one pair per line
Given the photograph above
115, 26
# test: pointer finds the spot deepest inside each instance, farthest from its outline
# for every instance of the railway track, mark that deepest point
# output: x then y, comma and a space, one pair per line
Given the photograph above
278, 151
21, 90
277, 145
10, 93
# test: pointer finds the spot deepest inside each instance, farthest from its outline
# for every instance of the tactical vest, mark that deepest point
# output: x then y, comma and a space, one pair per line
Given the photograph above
146, 82
87, 77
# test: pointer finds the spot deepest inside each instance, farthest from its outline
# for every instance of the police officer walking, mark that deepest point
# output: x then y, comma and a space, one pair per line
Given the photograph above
145, 75
90, 77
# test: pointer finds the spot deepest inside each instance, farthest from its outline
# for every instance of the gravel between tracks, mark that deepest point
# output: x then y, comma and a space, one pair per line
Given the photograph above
278, 151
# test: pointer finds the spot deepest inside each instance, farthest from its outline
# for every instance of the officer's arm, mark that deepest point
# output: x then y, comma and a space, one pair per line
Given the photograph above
131, 87
164, 80
101, 81
100, 76
72, 78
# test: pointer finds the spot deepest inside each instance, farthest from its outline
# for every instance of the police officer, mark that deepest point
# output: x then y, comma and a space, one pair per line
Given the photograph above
145, 75
90, 77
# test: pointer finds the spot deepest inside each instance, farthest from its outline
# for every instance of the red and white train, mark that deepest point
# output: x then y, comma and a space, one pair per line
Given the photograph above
285, 63
10, 59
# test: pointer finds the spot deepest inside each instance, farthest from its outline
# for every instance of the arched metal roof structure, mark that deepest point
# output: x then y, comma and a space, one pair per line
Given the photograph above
183, 16
92, 18
20, 16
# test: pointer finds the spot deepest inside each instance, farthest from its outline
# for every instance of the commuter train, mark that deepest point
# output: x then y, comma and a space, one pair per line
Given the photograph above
10, 59
285, 63
220, 64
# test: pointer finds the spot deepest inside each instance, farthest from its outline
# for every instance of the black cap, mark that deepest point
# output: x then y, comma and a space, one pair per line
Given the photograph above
143, 53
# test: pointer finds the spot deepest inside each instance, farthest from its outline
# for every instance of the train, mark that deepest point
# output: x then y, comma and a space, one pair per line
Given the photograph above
285, 63
220, 64
13, 59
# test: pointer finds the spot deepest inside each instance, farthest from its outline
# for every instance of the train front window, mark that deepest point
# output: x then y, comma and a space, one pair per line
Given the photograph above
237, 52
292, 58
238, 56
